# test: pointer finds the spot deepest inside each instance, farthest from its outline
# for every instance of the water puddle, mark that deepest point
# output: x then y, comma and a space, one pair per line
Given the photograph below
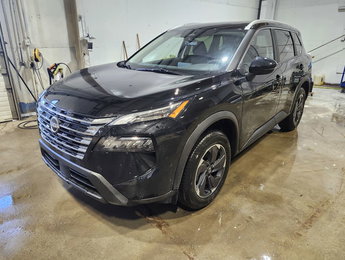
6, 201
339, 115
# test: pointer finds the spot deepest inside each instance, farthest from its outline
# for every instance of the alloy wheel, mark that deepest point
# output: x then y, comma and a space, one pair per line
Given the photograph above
298, 111
210, 170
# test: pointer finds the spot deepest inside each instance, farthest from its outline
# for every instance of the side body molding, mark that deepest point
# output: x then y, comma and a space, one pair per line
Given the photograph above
193, 138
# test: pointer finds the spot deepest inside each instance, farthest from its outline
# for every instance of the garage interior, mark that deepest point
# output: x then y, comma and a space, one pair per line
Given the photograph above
283, 197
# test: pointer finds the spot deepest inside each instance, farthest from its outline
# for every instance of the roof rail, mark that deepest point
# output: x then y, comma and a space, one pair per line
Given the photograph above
254, 24
181, 25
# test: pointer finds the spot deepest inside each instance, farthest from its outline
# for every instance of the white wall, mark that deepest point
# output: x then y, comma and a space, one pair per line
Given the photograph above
319, 21
5, 110
50, 30
45, 24
112, 22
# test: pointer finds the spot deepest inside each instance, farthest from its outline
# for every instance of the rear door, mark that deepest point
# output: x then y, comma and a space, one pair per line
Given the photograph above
301, 62
288, 66
260, 92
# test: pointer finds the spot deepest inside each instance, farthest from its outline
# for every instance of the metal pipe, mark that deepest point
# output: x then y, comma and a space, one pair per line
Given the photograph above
259, 9
13, 80
25, 32
329, 55
14, 99
327, 43
15, 28
23, 18
7, 26
26, 85
20, 31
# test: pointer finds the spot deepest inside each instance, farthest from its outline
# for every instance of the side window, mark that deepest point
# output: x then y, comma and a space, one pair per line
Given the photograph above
298, 44
285, 45
261, 45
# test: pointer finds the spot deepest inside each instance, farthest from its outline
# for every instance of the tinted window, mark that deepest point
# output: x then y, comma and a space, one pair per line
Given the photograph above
298, 44
261, 45
285, 45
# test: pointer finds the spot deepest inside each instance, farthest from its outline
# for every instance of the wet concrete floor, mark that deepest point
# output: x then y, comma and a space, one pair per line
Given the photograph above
283, 199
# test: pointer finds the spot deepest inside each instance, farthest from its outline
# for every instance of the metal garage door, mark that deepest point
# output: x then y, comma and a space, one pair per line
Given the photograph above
5, 111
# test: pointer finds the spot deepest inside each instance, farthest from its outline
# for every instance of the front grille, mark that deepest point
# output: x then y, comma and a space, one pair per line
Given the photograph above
74, 133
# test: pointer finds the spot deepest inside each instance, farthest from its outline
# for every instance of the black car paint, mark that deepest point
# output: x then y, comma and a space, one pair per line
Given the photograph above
249, 105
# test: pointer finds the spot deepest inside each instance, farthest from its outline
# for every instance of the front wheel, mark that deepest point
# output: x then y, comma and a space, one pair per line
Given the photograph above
205, 171
292, 121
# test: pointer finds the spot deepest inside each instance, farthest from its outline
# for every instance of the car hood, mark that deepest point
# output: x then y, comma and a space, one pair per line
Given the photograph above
106, 90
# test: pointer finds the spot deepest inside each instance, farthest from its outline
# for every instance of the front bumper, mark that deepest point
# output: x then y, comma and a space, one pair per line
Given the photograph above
92, 183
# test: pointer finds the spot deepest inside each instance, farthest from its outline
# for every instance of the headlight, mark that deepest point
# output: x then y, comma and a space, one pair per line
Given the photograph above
172, 111
127, 144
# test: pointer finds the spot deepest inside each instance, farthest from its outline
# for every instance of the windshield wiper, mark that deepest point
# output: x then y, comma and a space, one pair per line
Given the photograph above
159, 70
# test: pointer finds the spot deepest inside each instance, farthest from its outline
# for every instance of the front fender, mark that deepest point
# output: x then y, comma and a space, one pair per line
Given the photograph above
194, 137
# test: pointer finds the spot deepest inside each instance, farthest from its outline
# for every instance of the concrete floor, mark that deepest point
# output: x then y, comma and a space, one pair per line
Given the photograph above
284, 199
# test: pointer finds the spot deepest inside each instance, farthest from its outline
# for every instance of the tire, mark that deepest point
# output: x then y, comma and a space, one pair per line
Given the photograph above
292, 121
205, 171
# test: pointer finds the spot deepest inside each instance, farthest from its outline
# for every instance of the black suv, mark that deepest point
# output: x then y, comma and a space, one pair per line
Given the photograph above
163, 125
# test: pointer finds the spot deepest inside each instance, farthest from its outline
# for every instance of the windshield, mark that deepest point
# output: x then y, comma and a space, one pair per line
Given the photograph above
192, 50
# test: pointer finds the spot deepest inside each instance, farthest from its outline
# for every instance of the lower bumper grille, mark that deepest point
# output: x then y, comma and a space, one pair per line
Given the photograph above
74, 177
81, 180
53, 162
91, 183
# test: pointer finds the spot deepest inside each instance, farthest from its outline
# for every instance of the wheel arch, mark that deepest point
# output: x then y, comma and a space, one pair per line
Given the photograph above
225, 121
306, 84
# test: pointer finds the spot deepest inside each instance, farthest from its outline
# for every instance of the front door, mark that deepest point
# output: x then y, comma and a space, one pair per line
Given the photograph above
261, 93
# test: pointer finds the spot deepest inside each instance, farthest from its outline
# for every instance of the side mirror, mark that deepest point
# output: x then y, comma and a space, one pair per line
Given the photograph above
261, 66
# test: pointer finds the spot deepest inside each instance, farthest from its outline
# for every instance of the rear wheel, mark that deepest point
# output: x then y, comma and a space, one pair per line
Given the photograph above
205, 171
292, 121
